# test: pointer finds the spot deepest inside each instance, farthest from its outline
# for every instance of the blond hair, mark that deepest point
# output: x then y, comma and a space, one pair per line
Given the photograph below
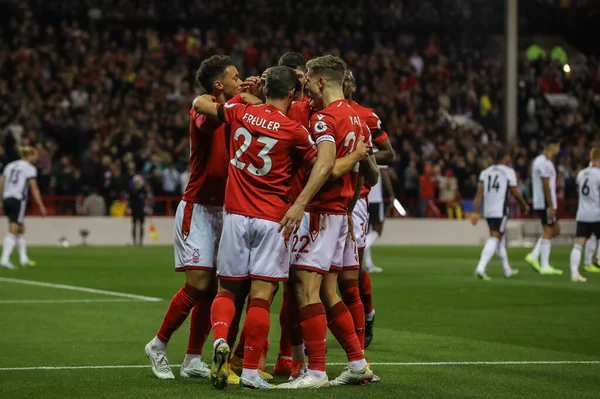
595, 154
332, 69
26, 151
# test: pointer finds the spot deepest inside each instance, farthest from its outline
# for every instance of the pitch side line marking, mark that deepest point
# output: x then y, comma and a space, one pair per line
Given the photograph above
51, 301
142, 366
82, 289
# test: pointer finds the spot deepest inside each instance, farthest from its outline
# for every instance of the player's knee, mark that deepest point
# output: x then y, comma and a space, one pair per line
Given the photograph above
15, 229
306, 287
556, 229
328, 292
262, 290
199, 279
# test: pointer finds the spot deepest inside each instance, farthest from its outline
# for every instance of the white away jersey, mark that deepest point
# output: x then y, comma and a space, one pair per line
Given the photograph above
588, 183
496, 180
543, 167
376, 193
16, 179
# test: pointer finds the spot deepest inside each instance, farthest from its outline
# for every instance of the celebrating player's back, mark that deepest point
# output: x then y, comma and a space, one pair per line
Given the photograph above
264, 143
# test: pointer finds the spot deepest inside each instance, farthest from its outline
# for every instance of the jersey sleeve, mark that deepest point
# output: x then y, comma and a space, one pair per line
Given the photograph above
512, 178
229, 112
546, 170
378, 135
304, 144
32, 172
322, 127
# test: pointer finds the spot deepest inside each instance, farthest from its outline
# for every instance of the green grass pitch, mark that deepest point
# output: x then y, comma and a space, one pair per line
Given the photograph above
429, 308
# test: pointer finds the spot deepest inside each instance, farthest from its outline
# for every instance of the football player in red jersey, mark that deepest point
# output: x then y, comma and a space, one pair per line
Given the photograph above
384, 155
198, 223
320, 233
264, 142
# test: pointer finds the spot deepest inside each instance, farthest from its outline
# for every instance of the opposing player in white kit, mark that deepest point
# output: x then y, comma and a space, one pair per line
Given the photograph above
592, 265
543, 176
495, 183
17, 179
588, 211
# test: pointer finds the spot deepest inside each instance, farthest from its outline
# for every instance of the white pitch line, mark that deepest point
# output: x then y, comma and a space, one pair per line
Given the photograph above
399, 364
82, 289
50, 301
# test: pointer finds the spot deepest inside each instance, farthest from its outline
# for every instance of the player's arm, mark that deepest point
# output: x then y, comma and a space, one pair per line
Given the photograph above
251, 99
318, 176
346, 164
548, 195
206, 106
519, 197
35, 192
477, 204
386, 153
386, 180
369, 170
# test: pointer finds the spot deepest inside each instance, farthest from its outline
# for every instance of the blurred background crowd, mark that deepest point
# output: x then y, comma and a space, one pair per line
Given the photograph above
103, 89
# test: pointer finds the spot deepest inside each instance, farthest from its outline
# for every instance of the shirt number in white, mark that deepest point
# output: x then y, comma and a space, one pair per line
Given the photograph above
263, 154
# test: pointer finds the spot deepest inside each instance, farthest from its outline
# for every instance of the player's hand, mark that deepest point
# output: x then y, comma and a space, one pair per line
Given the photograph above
263, 77
351, 227
474, 219
526, 209
362, 150
43, 211
250, 85
390, 208
291, 220
551, 213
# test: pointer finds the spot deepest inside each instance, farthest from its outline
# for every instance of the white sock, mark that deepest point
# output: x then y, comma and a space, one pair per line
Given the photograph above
7, 247
249, 373
369, 316
503, 255
546, 248
316, 374
575, 259
298, 353
598, 250
590, 249
487, 253
159, 345
22, 247
537, 249
371, 239
193, 360
357, 364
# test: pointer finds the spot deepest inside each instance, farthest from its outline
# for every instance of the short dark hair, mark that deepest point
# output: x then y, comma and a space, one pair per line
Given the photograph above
280, 81
549, 142
211, 70
500, 155
292, 60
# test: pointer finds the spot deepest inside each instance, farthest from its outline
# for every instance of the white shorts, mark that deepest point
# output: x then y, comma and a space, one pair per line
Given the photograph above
197, 233
360, 216
350, 261
252, 247
319, 243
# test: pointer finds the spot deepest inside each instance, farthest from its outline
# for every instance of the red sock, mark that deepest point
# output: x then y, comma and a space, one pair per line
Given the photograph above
314, 330
341, 325
256, 331
222, 313
239, 349
199, 325
351, 298
365, 291
178, 311
285, 334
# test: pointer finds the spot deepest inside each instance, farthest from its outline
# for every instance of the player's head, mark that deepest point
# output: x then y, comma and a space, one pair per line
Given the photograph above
281, 84
551, 148
218, 75
324, 73
349, 85
595, 156
297, 62
501, 157
28, 153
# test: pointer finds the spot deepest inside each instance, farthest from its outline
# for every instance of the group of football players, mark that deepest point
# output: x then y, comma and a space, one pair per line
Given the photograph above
281, 169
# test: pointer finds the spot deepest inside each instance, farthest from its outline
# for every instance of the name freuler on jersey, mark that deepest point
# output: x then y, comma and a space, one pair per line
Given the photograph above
261, 122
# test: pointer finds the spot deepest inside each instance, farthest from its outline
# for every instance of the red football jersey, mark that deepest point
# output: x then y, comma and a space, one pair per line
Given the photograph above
209, 159
300, 112
340, 124
373, 122
264, 144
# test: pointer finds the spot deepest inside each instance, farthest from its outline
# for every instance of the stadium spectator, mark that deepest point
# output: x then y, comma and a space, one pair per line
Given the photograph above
93, 204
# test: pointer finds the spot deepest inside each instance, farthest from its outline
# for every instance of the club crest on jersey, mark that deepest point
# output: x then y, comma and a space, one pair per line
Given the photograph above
320, 117
320, 127
196, 255
229, 105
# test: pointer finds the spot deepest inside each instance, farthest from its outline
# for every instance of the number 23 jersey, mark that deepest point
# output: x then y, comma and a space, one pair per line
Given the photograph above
496, 180
264, 145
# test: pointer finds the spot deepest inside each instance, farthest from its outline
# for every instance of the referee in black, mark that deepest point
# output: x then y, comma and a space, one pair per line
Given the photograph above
139, 205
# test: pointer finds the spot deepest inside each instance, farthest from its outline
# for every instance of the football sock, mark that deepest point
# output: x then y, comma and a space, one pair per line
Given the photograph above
351, 298
598, 250
22, 247
590, 249
546, 248
7, 247
179, 309
575, 260
503, 255
235, 323
341, 325
199, 325
256, 331
371, 239
314, 330
365, 291
222, 313
537, 249
487, 253
285, 324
